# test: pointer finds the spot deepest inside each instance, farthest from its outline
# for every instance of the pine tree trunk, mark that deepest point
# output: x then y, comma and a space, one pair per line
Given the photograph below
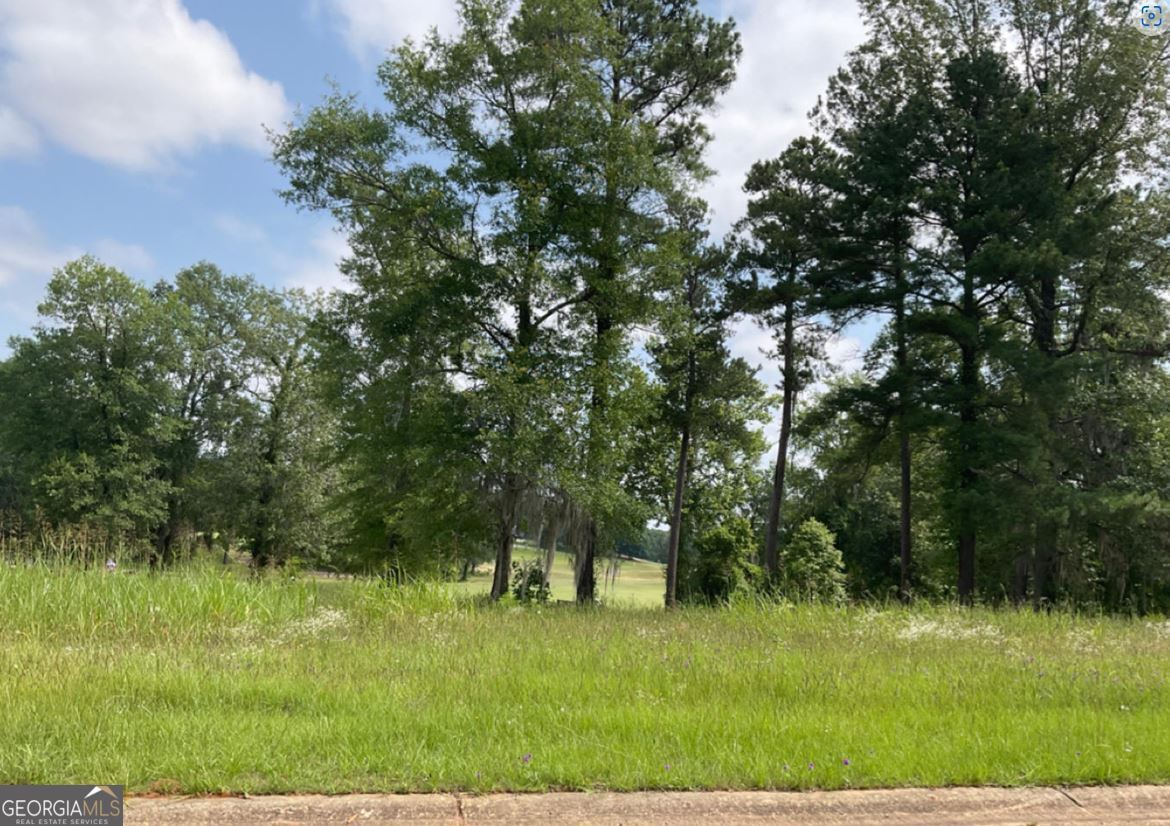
904, 536
1020, 579
680, 484
776, 503
968, 442
605, 321
968, 477
598, 410
967, 568
1044, 590
902, 362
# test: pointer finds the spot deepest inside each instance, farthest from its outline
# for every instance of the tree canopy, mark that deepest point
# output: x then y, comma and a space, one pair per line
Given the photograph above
538, 339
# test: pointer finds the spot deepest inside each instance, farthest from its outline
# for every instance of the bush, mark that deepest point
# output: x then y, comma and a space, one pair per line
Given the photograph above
722, 563
528, 583
811, 567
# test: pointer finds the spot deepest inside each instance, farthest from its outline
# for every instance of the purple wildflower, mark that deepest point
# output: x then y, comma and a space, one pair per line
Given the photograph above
812, 766
526, 759
845, 762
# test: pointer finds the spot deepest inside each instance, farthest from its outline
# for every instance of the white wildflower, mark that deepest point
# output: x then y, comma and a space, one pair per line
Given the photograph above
1160, 629
919, 628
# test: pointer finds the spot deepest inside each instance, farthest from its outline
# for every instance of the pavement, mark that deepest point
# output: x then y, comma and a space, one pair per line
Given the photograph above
928, 807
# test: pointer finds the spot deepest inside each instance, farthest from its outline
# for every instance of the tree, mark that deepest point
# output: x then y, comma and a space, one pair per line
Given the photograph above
871, 116
283, 438
706, 392
1100, 98
495, 102
651, 70
207, 316
84, 401
533, 223
978, 196
1013, 200
813, 568
780, 236
411, 487
722, 560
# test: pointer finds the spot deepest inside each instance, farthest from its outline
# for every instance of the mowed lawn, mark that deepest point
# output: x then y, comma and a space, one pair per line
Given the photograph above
199, 682
630, 582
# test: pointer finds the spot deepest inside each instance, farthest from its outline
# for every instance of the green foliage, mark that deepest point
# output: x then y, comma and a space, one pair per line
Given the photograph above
651, 546
528, 583
811, 565
146, 417
983, 180
719, 564
979, 170
521, 229
84, 404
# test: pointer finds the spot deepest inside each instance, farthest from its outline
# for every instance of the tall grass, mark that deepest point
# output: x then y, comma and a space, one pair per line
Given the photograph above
40, 541
201, 681
56, 603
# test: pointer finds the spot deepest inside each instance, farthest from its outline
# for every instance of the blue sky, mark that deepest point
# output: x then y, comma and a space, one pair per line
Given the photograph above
132, 129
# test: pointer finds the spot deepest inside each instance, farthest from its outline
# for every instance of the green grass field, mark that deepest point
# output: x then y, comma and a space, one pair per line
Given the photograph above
205, 682
638, 583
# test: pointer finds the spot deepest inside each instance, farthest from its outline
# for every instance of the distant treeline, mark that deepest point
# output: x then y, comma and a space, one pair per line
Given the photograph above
538, 334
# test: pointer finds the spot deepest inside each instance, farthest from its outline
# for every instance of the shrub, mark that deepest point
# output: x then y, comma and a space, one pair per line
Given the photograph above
528, 583
811, 567
722, 563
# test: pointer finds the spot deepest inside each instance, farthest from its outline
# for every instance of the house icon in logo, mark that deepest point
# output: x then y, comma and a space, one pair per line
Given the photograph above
101, 790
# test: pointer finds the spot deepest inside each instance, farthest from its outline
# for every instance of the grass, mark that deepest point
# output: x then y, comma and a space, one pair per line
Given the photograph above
203, 682
637, 583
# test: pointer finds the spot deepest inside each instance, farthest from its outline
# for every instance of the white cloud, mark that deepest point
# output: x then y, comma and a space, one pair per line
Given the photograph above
790, 49
133, 83
27, 261
17, 136
753, 344
132, 259
24, 253
846, 353
239, 229
320, 271
370, 27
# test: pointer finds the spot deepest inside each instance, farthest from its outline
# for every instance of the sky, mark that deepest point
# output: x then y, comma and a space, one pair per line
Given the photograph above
135, 130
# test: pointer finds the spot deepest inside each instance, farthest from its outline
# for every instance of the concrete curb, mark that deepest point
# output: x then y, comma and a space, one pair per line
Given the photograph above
937, 807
